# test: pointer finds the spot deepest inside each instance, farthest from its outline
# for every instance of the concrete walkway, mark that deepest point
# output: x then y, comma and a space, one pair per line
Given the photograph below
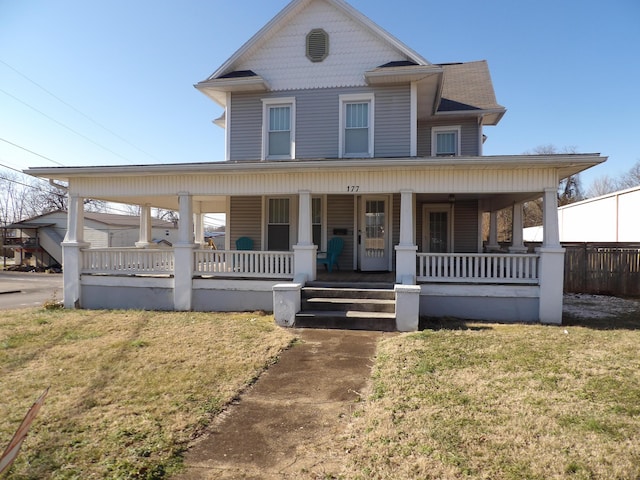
286, 425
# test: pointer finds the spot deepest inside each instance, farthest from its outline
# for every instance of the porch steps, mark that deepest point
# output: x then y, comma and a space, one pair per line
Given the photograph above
349, 306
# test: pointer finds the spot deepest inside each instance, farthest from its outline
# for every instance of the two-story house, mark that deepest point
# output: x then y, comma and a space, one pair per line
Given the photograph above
334, 129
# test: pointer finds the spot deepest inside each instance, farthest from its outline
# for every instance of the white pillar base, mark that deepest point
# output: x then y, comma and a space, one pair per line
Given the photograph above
71, 273
551, 284
407, 307
406, 264
304, 258
183, 277
286, 303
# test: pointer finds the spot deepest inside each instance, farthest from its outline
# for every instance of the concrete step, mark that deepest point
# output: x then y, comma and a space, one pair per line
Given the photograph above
347, 320
349, 304
348, 292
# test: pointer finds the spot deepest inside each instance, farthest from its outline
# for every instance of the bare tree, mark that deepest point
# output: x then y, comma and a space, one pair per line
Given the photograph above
601, 186
570, 188
632, 177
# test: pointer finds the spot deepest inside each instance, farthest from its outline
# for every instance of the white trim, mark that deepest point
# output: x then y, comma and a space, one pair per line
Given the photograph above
275, 102
413, 152
227, 129
449, 128
356, 98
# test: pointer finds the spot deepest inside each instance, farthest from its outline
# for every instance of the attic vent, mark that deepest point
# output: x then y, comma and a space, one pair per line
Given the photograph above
317, 45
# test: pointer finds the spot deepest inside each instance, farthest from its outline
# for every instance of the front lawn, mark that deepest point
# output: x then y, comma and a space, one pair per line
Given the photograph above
128, 389
470, 401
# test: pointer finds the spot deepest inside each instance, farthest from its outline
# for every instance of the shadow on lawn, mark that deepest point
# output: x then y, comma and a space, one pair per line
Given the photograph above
625, 321
450, 323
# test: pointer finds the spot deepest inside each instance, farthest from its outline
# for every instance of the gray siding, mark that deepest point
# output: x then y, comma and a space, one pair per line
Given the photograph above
393, 122
317, 117
246, 127
244, 220
469, 140
340, 215
465, 227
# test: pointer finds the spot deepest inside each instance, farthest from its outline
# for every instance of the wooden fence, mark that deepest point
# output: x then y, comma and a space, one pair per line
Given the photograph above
602, 268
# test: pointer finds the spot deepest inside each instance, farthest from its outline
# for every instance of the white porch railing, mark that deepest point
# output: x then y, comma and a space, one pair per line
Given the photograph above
127, 261
477, 268
243, 263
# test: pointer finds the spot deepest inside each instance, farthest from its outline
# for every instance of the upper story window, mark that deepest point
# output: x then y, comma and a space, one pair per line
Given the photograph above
445, 141
356, 125
278, 128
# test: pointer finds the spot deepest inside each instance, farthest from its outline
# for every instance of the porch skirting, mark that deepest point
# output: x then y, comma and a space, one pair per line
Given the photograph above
157, 293
496, 303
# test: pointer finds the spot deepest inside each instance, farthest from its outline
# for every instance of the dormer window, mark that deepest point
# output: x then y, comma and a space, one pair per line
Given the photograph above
445, 141
317, 45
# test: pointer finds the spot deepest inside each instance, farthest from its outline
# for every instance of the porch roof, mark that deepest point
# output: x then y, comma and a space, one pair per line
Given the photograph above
564, 164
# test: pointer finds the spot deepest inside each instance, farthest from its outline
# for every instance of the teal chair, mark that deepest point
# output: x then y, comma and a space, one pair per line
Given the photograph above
244, 243
334, 249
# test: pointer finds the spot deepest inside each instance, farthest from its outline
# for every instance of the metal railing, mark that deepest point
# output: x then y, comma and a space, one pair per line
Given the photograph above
478, 268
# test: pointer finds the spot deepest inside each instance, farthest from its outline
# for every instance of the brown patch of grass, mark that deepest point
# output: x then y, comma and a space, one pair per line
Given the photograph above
129, 389
501, 402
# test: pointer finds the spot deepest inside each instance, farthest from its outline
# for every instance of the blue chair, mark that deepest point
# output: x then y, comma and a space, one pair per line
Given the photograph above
334, 249
244, 243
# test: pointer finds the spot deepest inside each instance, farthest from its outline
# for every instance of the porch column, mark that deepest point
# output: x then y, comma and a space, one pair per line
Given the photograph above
406, 249
517, 237
72, 245
493, 245
304, 252
551, 268
183, 255
199, 229
144, 240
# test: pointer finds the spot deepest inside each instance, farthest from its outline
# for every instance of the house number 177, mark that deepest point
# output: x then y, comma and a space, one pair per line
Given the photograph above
353, 188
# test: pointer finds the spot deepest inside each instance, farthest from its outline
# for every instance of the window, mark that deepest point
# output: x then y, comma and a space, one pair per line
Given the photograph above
356, 125
278, 129
278, 224
445, 141
316, 220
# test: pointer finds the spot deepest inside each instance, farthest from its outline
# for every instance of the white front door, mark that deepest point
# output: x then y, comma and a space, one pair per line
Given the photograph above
374, 234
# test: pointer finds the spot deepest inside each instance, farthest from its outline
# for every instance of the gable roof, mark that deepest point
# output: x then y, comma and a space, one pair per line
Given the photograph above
251, 68
293, 9
110, 219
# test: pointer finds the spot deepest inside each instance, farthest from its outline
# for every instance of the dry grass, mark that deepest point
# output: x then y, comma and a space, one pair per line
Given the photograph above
502, 402
128, 389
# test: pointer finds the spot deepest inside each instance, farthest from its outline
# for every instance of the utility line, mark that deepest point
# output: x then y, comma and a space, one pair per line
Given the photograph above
79, 112
30, 151
65, 126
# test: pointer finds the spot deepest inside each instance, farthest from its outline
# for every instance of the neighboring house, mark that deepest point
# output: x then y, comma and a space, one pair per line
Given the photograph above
609, 218
37, 241
334, 128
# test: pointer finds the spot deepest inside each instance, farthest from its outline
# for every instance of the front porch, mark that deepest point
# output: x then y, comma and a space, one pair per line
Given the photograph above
497, 286
428, 223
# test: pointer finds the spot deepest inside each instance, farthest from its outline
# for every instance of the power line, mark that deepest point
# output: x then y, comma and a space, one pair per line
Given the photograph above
31, 151
65, 126
78, 111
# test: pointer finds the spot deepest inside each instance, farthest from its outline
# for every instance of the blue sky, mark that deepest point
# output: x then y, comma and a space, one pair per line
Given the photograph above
567, 71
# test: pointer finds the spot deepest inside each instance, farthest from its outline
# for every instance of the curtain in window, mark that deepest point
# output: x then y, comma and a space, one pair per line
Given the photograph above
280, 131
446, 143
356, 135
